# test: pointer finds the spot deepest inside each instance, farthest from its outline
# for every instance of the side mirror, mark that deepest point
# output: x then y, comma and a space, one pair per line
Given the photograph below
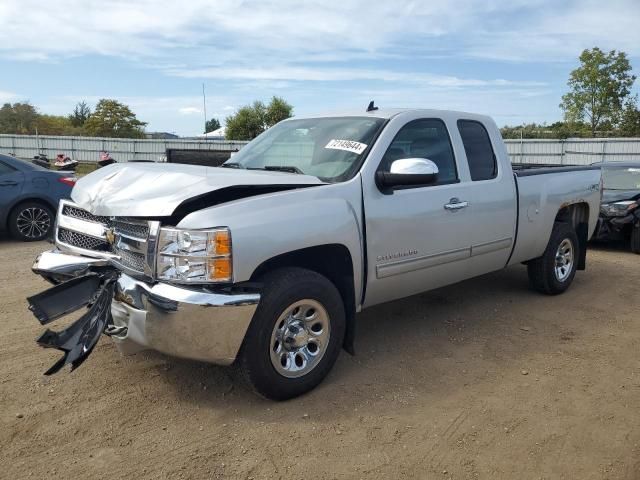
407, 172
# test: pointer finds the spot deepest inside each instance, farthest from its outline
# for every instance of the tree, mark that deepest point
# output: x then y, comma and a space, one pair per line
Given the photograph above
211, 125
114, 119
18, 118
251, 120
277, 110
629, 125
80, 115
598, 88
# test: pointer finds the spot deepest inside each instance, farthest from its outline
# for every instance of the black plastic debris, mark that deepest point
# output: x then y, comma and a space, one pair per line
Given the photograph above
78, 340
64, 298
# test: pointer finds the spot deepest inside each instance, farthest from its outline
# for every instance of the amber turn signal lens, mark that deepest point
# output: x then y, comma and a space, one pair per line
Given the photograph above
222, 242
220, 269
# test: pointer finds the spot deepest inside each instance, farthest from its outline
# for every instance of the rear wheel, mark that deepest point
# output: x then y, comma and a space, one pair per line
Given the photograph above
553, 272
31, 221
295, 335
635, 238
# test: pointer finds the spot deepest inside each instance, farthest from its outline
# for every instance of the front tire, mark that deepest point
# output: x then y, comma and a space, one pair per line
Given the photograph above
553, 272
31, 221
295, 335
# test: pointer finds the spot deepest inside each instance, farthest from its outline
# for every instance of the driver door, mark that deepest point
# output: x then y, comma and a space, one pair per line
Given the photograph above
418, 237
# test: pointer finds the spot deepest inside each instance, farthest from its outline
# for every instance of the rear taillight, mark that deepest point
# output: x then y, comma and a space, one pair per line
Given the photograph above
71, 181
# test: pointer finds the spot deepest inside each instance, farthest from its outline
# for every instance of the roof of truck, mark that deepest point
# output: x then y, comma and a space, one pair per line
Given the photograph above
392, 112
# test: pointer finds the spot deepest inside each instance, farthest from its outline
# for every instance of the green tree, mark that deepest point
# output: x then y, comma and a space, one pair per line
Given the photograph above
629, 125
80, 115
114, 119
277, 110
211, 125
57, 125
18, 118
598, 88
251, 120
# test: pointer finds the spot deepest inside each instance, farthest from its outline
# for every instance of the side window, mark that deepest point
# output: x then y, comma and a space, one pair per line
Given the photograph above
428, 139
4, 169
477, 146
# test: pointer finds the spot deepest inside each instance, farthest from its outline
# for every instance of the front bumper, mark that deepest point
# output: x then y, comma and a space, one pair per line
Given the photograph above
194, 323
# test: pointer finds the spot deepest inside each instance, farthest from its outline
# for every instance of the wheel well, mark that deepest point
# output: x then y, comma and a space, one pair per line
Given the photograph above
577, 215
574, 214
332, 261
29, 200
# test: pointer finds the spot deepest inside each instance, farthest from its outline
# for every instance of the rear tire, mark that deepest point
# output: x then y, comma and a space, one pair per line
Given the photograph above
31, 221
635, 239
295, 335
553, 272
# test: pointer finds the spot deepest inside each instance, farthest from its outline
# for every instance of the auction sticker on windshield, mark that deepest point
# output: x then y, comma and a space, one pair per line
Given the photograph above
347, 145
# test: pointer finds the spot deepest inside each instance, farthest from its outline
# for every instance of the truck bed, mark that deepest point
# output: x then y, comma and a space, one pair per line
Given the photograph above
543, 191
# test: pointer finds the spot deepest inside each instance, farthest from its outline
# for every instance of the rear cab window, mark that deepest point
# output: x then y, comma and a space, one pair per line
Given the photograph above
477, 146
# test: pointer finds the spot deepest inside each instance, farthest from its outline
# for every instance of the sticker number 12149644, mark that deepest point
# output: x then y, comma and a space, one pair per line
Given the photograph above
347, 145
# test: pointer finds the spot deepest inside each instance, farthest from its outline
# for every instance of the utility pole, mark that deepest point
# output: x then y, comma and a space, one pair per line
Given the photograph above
204, 105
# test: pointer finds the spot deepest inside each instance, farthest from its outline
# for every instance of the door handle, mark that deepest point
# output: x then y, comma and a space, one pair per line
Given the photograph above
455, 204
8, 183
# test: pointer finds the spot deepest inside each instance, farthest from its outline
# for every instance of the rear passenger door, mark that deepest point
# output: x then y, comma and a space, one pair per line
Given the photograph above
492, 196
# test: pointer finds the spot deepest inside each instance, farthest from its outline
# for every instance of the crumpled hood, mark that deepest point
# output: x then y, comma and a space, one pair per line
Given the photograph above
157, 189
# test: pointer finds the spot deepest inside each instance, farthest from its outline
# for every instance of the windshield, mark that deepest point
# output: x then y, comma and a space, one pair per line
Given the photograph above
621, 178
331, 149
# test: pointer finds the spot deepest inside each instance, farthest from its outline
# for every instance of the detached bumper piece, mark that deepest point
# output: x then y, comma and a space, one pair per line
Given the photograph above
78, 340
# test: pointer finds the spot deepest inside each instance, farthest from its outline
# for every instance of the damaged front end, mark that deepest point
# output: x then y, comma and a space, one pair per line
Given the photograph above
93, 290
195, 322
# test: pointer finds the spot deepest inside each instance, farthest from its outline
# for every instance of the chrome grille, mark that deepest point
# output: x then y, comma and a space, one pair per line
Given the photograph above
80, 240
131, 228
122, 239
75, 212
131, 260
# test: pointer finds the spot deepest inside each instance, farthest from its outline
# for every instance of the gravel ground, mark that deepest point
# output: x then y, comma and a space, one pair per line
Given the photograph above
484, 379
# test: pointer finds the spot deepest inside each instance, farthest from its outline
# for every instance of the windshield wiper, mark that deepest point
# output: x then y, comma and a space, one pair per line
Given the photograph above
231, 165
282, 168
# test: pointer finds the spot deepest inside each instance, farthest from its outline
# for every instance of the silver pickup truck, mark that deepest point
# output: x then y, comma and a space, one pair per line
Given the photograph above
265, 261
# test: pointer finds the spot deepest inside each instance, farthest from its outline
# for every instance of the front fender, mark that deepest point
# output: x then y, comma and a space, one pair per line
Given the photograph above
267, 226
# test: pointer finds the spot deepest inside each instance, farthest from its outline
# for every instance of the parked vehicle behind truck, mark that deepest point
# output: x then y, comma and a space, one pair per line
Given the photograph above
266, 261
619, 212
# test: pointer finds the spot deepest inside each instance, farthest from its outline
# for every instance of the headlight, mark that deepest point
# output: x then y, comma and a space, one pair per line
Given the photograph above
194, 256
618, 209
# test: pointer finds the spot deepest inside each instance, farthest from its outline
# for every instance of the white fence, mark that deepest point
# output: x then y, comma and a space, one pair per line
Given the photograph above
87, 149
574, 151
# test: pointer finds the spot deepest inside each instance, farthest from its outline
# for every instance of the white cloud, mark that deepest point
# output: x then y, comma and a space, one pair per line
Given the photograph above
242, 31
325, 74
189, 111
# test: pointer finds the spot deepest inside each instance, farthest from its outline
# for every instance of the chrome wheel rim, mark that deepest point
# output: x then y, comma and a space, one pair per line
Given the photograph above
564, 260
300, 338
33, 222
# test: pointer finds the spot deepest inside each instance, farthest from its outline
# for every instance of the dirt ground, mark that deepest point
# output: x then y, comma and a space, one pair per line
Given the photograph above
485, 379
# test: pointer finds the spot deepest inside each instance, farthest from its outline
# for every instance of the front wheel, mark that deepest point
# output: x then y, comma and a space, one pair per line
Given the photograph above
295, 335
553, 272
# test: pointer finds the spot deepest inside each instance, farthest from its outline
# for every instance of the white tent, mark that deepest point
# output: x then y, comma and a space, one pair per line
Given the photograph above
215, 135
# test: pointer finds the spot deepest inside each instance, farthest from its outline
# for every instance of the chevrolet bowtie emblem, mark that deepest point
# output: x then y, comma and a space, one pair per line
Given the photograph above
110, 235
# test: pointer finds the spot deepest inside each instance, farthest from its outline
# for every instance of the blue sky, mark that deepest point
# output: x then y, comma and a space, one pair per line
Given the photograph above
508, 59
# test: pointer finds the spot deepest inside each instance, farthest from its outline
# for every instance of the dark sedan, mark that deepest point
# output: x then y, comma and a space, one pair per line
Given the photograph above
29, 196
619, 212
